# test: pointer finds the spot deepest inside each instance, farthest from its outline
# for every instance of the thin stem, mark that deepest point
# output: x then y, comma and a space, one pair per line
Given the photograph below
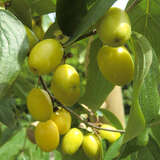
85, 36
135, 2
88, 123
74, 113
45, 88
88, 110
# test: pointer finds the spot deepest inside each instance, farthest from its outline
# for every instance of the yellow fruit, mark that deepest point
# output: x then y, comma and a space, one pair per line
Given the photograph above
47, 136
39, 104
108, 135
66, 85
45, 56
114, 28
72, 141
91, 146
31, 37
62, 118
116, 64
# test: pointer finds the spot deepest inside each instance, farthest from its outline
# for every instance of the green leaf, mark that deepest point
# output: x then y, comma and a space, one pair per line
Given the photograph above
149, 96
7, 134
143, 138
22, 10
14, 144
25, 81
57, 155
41, 7
79, 155
19, 145
154, 148
97, 87
144, 154
95, 11
156, 129
129, 148
6, 112
69, 14
111, 118
51, 30
113, 150
143, 59
151, 152
145, 19
13, 49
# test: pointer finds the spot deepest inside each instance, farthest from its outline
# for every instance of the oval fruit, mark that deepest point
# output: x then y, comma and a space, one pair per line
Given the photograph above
116, 64
47, 136
45, 56
108, 135
62, 118
72, 141
114, 28
39, 104
91, 146
66, 85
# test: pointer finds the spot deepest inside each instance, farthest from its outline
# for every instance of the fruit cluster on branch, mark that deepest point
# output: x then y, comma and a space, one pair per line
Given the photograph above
114, 62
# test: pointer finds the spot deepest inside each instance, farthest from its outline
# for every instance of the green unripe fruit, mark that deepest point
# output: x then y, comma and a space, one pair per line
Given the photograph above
72, 141
116, 64
45, 56
91, 146
39, 104
114, 28
66, 85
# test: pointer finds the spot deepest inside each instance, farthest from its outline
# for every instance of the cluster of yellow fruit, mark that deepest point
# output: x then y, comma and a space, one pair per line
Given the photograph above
90, 143
46, 57
53, 124
114, 60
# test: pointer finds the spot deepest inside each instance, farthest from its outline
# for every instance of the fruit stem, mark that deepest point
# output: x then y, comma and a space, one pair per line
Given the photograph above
87, 35
74, 113
93, 32
45, 88
87, 123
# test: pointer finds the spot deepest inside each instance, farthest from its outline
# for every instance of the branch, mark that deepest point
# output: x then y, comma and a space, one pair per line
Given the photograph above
74, 113
45, 88
88, 110
88, 123
85, 36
